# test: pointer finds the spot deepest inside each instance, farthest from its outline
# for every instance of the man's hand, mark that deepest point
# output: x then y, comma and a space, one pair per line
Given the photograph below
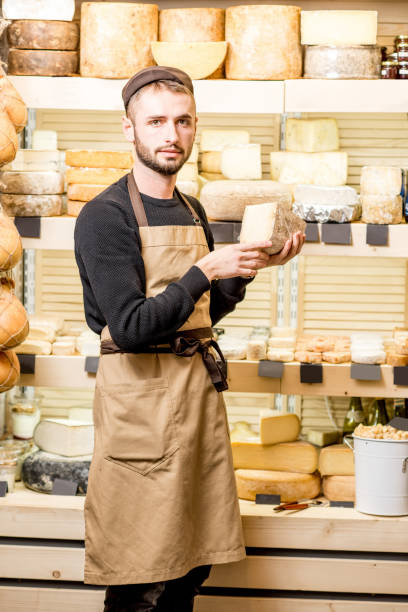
235, 260
292, 247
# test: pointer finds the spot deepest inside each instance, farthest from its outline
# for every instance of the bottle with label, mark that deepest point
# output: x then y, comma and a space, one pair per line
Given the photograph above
354, 416
379, 413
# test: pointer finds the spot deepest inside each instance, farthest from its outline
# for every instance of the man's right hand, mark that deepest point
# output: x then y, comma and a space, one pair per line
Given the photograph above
235, 260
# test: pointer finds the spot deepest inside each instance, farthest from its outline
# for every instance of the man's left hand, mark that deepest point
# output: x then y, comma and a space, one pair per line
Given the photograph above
292, 247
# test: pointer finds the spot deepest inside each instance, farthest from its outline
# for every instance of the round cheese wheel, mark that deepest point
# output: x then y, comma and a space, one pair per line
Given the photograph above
211, 161
394, 359
42, 63
84, 193
33, 34
339, 488
289, 485
8, 139
264, 42
11, 249
40, 469
94, 176
13, 317
9, 370
37, 183
31, 205
74, 207
116, 37
192, 25
98, 159
12, 103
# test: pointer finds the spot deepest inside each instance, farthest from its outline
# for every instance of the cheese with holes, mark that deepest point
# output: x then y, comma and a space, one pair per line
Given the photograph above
226, 200
116, 37
290, 486
42, 63
284, 457
311, 135
31, 205
270, 221
64, 437
45, 140
263, 42
211, 161
31, 346
241, 162
339, 488
62, 10
98, 159
336, 460
276, 354
188, 172
41, 34
192, 25
74, 207
190, 188
216, 140
282, 428
30, 160
339, 28
198, 59
381, 209
381, 180
34, 183
326, 169
84, 192
94, 176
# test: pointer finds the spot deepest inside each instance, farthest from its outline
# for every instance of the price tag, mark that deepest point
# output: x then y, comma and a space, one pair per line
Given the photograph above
3, 488
312, 232
401, 375
341, 504
28, 227
91, 364
365, 371
270, 369
223, 231
377, 235
311, 373
64, 487
336, 233
27, 363
274, 500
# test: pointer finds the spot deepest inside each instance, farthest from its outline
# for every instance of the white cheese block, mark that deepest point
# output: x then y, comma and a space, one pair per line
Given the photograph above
63, 347
192, 25
285, 457
88, 343
241, 162
94, 176
211, 161
44, 140
42, 329
64, 437
193, 159
30, 346
226, 200
34, 160
326, 169
32, 183
280, 354
284, 332
86, 158
338, 28
339, 488
198, 59
276, 429
282, 342
381, 180
290, 486
336, 460
59, 10
216, 140
190, 188
31, 205
188, 172
311, 135
83, 192
322, 196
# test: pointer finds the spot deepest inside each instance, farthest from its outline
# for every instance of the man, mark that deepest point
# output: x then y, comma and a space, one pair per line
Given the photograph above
161, 506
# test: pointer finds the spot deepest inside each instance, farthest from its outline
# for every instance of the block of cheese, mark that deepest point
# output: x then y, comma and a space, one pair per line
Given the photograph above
381, 180
326, 169
42, 329
34, 161
192, 25
282, 428
63, 347
212, 176
216, 140
394, 359
311, 135
323, 196
62, 10
45, 140
198, 59
308, 356
336, 356
322, 438
285, 355
285, 457
94, 176
64, 437
336, 460
339, 28
211, 161
270, 221
190, 188
98, 159
32, 183
188, 172
36, 34
116, 37
74, 207
290, 486
193, 159
42, 63
283, 332
31, 205
30, 346
281, 342
84, 192
241, 162
40, 469
263, 42
319, 344
381, 209
256, 350
339, 488
88, 343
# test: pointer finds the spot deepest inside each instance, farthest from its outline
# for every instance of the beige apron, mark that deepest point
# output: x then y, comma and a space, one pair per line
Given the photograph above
161, 493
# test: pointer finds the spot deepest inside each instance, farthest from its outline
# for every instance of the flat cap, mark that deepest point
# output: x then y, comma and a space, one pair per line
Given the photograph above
152, 74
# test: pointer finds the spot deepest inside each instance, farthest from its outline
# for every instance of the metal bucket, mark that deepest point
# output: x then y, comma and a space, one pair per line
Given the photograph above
381, 474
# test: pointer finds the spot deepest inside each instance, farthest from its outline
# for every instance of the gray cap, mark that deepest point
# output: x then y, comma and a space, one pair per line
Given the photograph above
152, 74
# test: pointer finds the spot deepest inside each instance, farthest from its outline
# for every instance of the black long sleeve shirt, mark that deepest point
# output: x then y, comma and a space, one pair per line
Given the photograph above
108, 254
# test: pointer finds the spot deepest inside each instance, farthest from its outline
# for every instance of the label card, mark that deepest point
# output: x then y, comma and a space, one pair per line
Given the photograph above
341, 504
365, 371
27, 363
223, 231
274, 500
401, 375
28, 227
377, 235
270, 369
312, 232
3, 488
311, 373
64, 487
91, 364
336, 233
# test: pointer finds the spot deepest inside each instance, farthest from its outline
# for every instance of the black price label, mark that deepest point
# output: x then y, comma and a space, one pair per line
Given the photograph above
28, 227
270, 369
311, 373
365, 371
60, 486
273, 500
336, 233
401, 375
3, 488
377, 235
223, 231
312, 232
27, 363
91, 364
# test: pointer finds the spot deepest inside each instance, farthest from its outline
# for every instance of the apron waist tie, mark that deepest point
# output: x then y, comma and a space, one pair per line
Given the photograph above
186, 344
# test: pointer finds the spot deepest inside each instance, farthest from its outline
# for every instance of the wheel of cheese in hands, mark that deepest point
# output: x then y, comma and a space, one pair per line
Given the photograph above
192, 25
13, 317
12, 103
46, 35
11, 249
9, 370
42, 63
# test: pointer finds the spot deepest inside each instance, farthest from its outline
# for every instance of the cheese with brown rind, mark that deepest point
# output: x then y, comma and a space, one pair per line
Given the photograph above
291, 487
282, 428
42, 63
43, 34
74, 207
32, 183
198, 59
211, 161
339, 488
336, 356
83, 192
87, 158
192, 25
94, 176
394, 359
285, 457
31, 205
381, 180
336, 460
308, 356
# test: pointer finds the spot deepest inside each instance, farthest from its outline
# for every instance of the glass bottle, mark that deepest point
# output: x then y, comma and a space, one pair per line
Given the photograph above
378, 414
354, 416
401, 408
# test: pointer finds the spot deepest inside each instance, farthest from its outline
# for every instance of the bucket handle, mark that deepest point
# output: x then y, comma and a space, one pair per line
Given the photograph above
349, 441
404, 465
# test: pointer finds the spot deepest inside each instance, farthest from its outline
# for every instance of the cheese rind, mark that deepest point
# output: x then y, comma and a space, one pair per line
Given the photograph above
40, 469
311, 135
192, 25
198, 59
64, 437
62, 10
276, 429
42, 63
339, 28
31, 205
211, 161
241, 162
32, 183
323, 196
336, 460
86, 158
74, 207
94, 176
381, 180
285, 457
381, 209
43, 34
30, 160
326, 169
291, 487
216, 140
84, 192
339, 488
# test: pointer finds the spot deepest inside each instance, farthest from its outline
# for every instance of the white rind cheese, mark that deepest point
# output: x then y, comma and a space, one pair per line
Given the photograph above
65, 437
32, 183
59, 10
216, 140
326, 169
311, 135
31, 205
323, 196
198, 59
290, 486
339, 28
45, 140
282, 428
381, 180
285, 457
34, 161
241, 162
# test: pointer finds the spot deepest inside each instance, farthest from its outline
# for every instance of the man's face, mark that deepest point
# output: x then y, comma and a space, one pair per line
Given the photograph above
164, 129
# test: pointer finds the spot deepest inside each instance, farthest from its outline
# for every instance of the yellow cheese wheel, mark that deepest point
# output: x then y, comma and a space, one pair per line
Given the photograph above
336, 460
74, 207
94, 176
9, 370
43, 34
290, 486
285, 457
98, 159
339, 488
192, 25
84, 193
42, 63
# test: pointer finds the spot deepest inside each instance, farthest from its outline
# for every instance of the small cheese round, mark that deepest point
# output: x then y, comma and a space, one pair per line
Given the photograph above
290, 486
34, 183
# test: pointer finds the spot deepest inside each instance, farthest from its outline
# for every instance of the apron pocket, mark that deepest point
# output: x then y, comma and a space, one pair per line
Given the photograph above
138, 426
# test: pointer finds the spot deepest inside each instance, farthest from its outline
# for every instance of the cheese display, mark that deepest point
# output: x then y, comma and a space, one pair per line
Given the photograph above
64, 437
395, 359
40, 469
13, 317
62, 10
8, 140
31, 346
270, 221
63, 347
380, 180
322, 438
263, 42
314, 203
290, 487
31, 205
328, 62
339, 488
85, 158
116, 37
94, 176
282, 428
186, 25
42, 63
30, 160
311, 135
336, 460
241, 162
285, 457
35, 34
226, 200
336, 356
216, 140
324, 169
11, 249
211, 161
84, 192
32, 183
42, 329
284, 355
338, 28
12, 103
9, 370
198, 59
381, 209
45, 140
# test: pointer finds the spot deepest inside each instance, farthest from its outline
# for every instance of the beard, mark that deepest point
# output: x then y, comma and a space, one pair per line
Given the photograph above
167, 167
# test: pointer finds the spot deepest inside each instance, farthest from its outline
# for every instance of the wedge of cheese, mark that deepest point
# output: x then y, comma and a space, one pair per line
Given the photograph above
326, 169
336, 460
276, 429
198, 59
339, 488
216, 140
85, 158
290, 486
285, 457
311, 135
241, 162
